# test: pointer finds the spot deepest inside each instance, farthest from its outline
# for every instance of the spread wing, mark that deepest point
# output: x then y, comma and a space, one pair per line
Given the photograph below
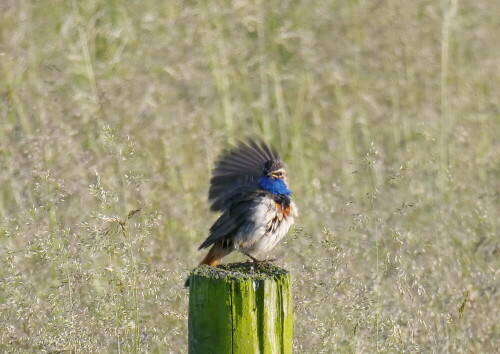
236, 214
240, 165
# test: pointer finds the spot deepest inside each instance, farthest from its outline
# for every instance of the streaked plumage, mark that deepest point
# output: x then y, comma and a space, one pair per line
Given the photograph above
249, 187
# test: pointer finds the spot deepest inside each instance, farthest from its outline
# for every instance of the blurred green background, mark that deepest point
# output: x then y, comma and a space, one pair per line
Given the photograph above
386, 112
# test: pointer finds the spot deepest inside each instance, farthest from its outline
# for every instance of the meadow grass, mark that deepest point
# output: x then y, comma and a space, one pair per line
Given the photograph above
387, 115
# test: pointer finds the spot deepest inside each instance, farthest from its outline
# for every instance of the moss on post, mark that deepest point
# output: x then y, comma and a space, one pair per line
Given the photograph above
240, 308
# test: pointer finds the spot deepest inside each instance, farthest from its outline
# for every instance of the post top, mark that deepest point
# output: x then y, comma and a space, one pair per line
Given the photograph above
240, 271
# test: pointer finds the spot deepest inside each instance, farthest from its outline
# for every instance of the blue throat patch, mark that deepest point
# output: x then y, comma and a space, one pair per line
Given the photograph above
275, 186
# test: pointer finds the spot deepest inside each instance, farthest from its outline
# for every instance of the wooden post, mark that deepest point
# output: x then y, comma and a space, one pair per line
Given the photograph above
240, 308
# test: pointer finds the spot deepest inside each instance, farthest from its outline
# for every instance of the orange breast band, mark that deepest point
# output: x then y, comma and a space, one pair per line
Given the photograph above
284, 211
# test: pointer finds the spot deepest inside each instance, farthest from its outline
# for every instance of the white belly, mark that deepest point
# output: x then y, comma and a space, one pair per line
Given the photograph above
266, 228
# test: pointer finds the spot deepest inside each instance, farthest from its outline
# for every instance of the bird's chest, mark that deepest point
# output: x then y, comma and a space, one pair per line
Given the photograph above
281, 215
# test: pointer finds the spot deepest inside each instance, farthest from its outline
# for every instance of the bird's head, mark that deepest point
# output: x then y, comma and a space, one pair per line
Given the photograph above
275, 169
274, 178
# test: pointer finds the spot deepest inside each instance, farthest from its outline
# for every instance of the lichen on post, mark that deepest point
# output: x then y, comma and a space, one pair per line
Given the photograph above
240, 308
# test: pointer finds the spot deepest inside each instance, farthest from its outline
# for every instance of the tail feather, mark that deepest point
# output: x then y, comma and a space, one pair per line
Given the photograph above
213, 257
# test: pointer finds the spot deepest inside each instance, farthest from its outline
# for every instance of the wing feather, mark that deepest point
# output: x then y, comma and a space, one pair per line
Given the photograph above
234, 216
241, 165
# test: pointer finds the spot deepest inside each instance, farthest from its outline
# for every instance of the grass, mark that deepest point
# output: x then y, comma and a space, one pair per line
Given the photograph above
387, 115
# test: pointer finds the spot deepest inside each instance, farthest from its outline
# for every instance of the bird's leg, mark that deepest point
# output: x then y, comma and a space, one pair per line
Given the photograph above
256, 261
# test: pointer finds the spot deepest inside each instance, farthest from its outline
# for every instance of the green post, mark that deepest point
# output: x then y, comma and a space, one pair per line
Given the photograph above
240, 308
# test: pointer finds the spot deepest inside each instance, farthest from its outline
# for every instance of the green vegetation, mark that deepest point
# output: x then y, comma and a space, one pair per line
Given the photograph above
386, 113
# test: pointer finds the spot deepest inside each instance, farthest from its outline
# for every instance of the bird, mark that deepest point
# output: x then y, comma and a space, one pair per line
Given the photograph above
249, 187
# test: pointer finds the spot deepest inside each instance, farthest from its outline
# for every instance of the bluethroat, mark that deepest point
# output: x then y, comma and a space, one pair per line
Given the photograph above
249, 186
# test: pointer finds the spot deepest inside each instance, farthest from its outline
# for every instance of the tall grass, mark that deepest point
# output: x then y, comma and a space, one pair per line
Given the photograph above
386, 113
